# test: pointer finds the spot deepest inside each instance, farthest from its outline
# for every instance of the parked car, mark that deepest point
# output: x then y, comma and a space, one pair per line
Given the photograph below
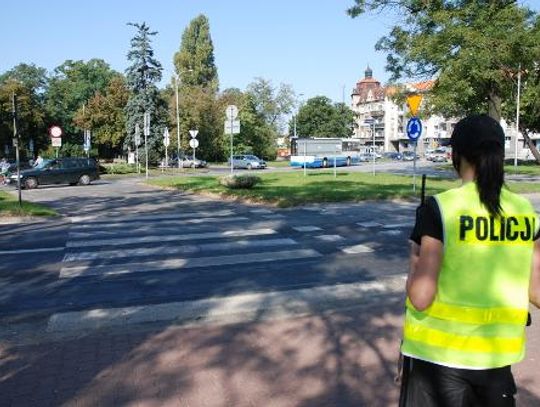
247, 161
365, 157
190, 162
439, 155
409, 156
69, 170
392, 155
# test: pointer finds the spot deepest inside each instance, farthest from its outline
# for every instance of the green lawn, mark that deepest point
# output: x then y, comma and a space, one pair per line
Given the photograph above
292, 188
9, 206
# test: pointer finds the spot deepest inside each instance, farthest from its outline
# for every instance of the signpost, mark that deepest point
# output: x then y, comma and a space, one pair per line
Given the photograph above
146, 134
194, 143
414, 131
370, 121
87, 143
166, 142
232, 126
56, 132
137, 143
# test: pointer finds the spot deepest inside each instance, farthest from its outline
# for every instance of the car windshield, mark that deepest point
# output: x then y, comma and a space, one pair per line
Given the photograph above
251, 157
44, 164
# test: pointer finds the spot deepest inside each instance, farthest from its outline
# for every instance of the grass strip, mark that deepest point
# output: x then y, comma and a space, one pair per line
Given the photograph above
292, 188
9, 206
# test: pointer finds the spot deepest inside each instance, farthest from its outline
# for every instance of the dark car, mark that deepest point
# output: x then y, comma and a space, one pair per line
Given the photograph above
70, 171
392, 155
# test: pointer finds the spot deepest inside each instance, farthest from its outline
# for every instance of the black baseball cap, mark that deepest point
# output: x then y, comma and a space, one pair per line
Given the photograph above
474, 131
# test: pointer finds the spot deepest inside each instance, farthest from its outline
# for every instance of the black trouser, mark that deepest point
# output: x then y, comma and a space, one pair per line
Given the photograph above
431, 385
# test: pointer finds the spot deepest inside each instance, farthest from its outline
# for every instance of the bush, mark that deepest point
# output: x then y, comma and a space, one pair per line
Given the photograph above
122, 168
239, 181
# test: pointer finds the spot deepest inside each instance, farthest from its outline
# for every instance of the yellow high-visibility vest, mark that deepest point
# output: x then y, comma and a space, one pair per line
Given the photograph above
478, 317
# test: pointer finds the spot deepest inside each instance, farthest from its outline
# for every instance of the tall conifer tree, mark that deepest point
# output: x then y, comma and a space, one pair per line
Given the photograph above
142, 77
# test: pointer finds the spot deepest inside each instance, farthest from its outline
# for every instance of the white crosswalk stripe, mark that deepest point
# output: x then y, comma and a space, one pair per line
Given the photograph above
168, 238
181, 263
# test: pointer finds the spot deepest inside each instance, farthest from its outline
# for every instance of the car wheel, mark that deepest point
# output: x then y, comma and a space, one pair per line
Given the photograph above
84, 180
349, 161
30, 183
249, 167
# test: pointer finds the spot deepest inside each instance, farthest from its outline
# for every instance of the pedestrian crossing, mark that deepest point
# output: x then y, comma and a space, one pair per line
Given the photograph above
135, 246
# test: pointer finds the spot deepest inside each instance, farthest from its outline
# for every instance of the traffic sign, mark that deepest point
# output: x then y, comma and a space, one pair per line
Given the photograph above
147, 123
232, 112
137, 134
194, 143
414, 128
413, 101
232, 127
56, 141
193, 133
55, 131
166, 138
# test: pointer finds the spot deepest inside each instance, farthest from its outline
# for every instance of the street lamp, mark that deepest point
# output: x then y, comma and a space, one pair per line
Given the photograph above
178, 79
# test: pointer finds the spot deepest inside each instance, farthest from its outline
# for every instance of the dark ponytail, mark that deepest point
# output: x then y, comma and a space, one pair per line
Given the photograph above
488, 162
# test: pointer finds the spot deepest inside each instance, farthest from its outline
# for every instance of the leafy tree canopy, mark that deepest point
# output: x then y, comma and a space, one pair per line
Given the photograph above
320, 118
194, 62
467, 46
72, 85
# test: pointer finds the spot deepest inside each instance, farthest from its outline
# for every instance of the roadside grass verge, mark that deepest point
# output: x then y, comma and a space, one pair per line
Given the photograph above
523, 168
9, 206
292, 189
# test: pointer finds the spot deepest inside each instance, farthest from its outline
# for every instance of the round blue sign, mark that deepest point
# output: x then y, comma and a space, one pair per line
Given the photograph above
414, 128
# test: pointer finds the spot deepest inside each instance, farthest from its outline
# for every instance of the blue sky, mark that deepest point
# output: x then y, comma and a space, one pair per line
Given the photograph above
311, 44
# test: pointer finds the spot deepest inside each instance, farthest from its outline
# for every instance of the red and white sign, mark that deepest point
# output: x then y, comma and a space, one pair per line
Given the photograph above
55, 131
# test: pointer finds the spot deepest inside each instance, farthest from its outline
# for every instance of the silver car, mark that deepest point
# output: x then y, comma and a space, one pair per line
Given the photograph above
248, 161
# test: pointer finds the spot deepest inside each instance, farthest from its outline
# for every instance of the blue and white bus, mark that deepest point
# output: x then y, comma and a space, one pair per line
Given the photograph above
320, 152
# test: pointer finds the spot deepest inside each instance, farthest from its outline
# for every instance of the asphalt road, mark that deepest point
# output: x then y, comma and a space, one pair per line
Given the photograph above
123, 244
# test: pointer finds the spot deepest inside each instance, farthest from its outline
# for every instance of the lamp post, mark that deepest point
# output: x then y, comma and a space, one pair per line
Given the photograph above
517, 116
177, 81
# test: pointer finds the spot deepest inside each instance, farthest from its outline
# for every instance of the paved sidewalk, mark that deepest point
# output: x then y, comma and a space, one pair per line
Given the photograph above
344, 358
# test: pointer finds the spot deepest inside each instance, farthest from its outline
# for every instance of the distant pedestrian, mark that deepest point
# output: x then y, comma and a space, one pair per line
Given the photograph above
38, 162
470, 280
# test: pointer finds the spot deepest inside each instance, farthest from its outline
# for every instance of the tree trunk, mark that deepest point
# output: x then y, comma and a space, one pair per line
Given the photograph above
531, 145
494, 105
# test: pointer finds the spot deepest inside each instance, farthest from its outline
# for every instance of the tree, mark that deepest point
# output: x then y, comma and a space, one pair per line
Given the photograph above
104, 115
142, 76
71, 86
199, 107
28, 83
320, 118
256, 136
465, 46
195, 59
272, 103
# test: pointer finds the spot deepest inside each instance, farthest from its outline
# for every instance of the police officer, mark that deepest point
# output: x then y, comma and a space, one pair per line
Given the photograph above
474, 268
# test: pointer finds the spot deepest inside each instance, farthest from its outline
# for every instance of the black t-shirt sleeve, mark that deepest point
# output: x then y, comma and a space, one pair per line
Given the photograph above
428, 222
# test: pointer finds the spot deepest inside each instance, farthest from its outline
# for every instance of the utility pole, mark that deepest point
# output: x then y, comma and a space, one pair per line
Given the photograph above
177, 120
16, 142
517, 116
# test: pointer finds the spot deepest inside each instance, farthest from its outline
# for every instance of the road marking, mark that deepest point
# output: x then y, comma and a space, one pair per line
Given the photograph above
168, 238
330, 238
306, 228
174, 250
261, 211
369, 224
357, 249
390, 232
275, 216
180, 215
133, 227
237, 308
398, 225
24, 251
179, 263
